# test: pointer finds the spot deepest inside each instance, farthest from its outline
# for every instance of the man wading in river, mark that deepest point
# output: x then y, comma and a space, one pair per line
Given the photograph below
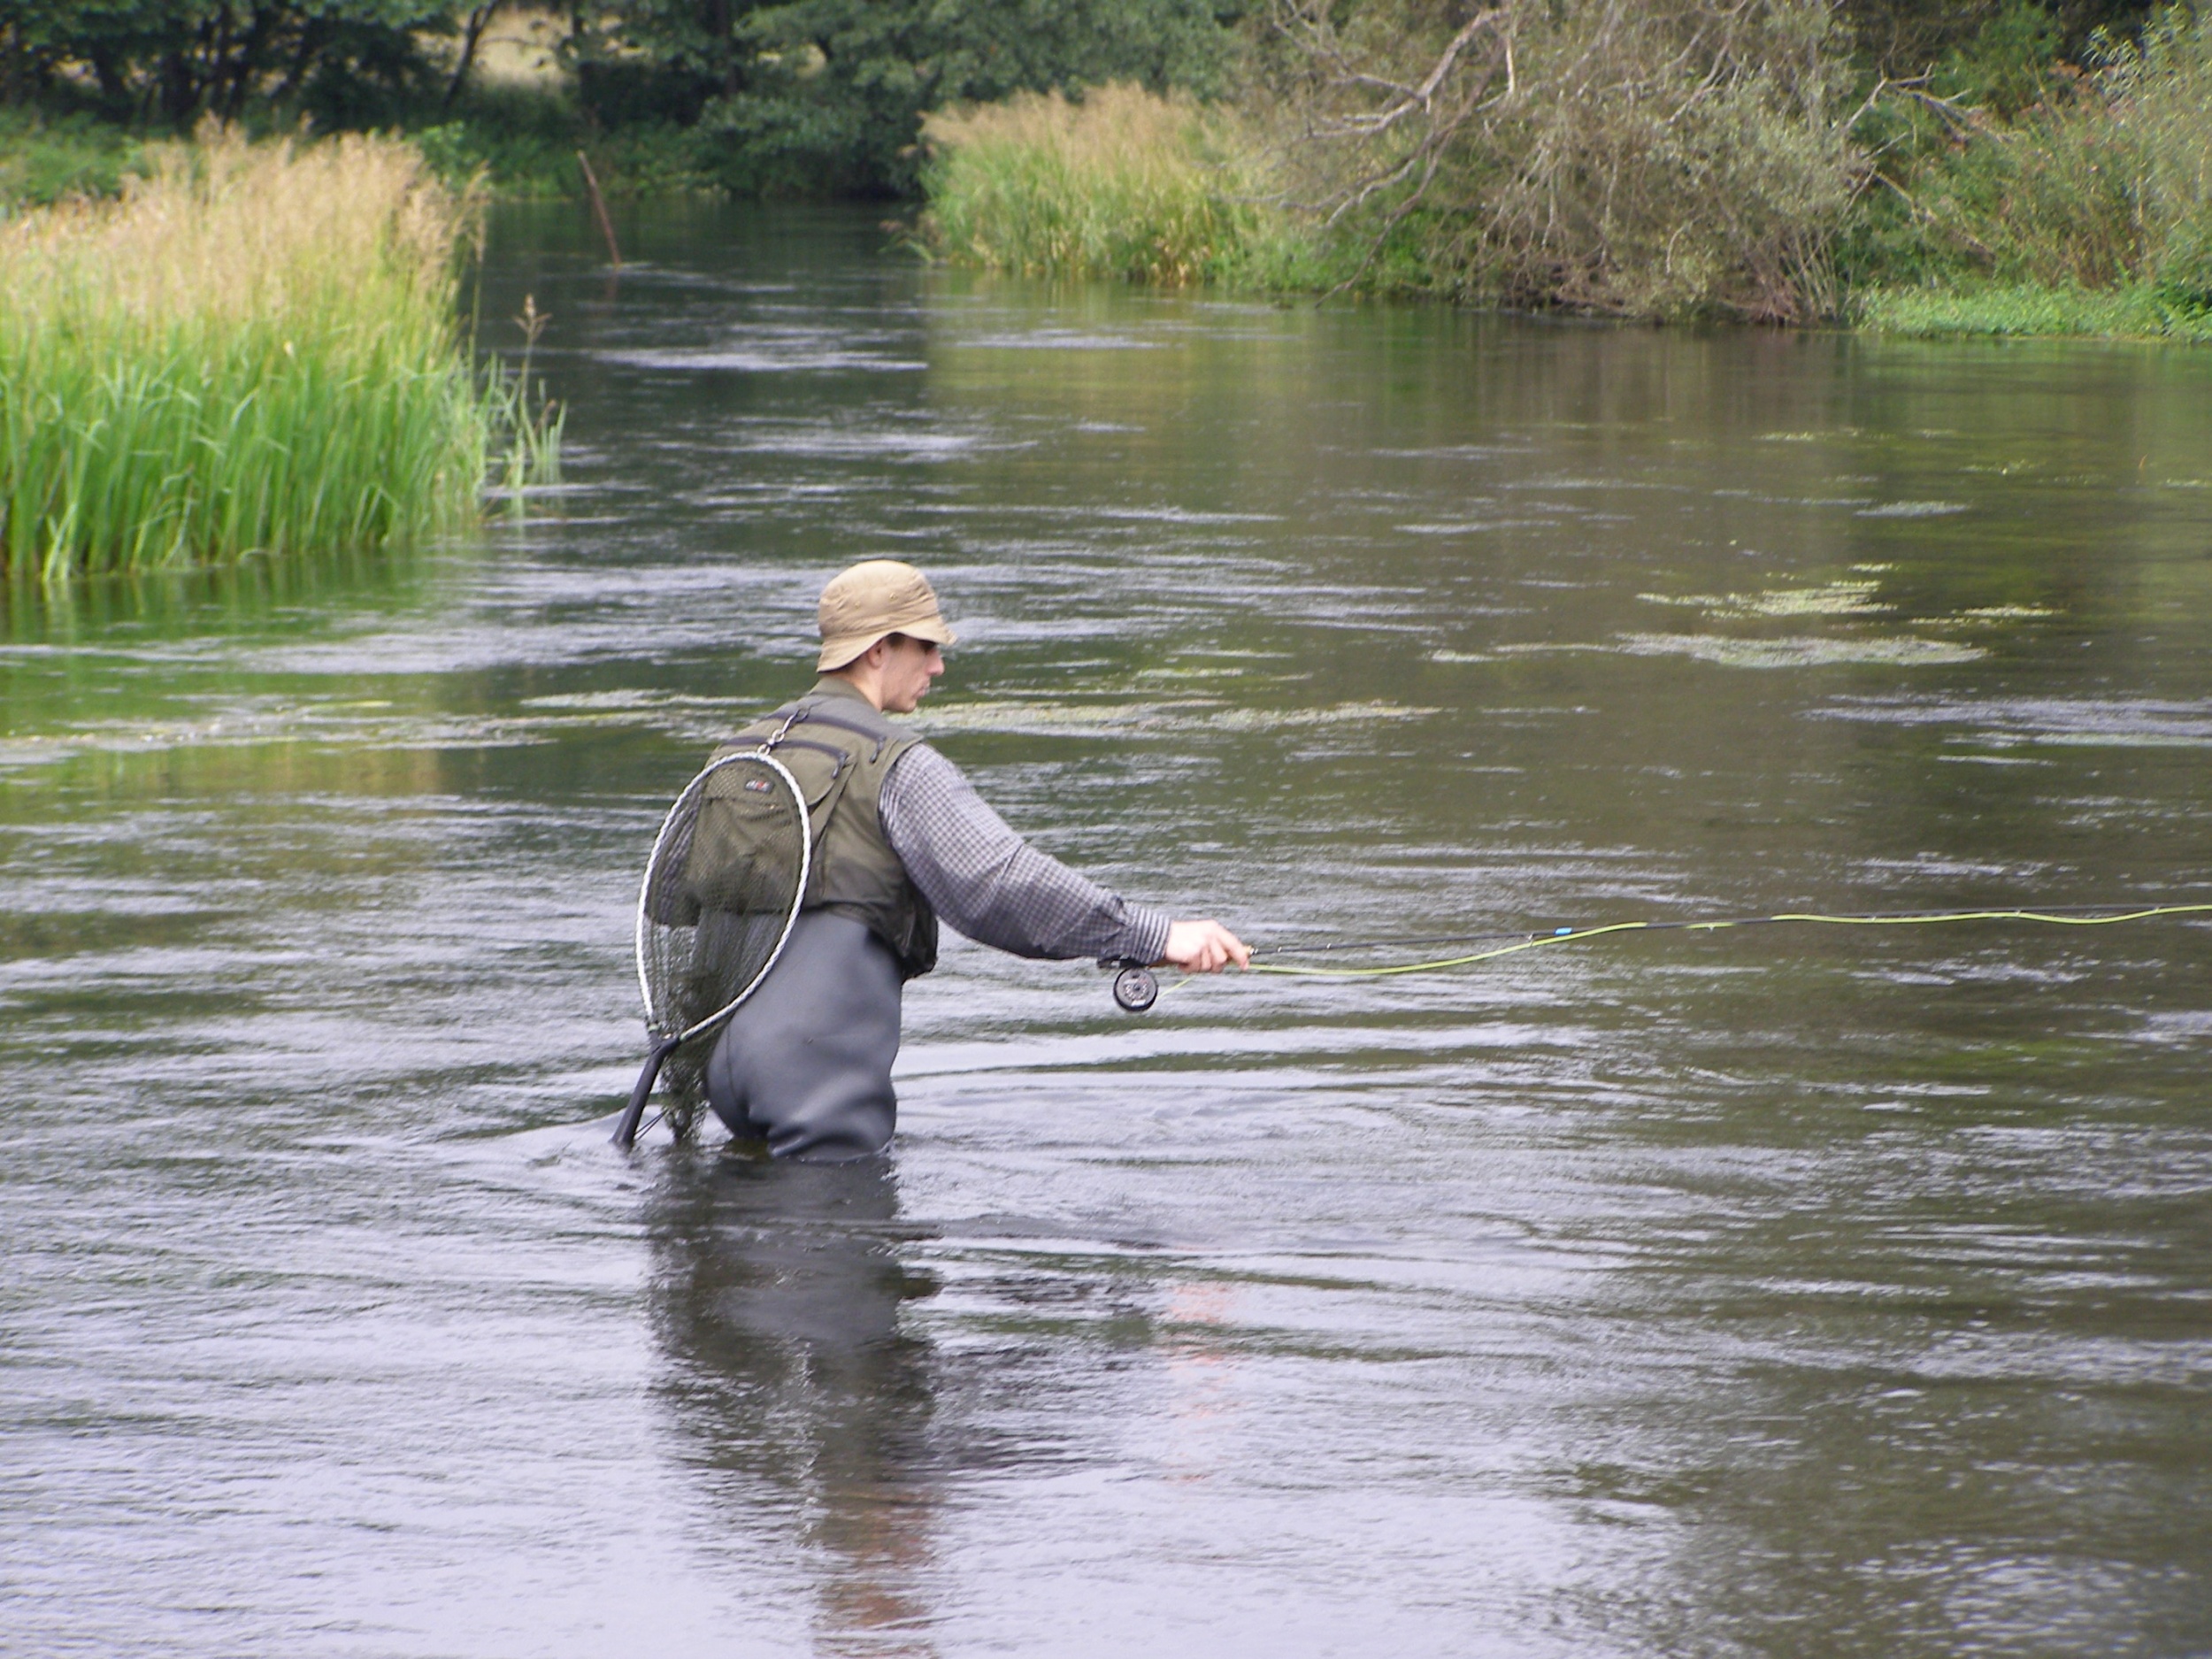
805, 1063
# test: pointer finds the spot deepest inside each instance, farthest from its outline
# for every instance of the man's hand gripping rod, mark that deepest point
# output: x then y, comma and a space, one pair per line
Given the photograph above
1195, 946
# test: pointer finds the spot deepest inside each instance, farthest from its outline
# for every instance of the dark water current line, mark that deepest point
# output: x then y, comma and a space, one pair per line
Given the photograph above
1815, 1292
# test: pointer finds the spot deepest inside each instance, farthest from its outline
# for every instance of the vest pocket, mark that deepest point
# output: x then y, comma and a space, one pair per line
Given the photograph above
745, 850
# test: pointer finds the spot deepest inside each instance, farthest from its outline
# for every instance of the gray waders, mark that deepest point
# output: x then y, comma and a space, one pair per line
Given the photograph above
805, 1064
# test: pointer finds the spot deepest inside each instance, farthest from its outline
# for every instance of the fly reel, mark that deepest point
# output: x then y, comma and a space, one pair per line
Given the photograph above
1135, 988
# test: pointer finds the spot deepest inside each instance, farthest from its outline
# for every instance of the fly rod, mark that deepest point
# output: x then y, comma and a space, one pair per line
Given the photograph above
1136, 988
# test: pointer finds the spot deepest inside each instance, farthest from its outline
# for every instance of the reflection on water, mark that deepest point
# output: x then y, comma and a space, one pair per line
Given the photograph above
1815, 1292
795, 1398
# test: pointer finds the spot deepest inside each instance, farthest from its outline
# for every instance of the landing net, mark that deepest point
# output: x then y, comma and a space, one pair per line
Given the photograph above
721, 891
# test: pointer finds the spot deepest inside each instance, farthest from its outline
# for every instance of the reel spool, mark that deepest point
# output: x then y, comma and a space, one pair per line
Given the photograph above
1134, 988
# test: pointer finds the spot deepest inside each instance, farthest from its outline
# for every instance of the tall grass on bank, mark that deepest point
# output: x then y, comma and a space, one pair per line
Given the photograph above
253, 350
1123, 184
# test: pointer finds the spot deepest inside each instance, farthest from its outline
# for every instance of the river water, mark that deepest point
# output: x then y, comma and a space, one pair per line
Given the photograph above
1798, 1290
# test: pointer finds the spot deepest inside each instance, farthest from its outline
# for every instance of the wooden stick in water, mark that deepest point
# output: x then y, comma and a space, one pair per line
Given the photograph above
599, 209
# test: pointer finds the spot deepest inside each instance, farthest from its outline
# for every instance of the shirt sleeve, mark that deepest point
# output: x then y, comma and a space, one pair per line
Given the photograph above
993, 885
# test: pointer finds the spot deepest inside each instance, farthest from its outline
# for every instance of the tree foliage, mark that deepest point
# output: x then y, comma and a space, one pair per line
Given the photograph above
1909, 37
779, 96
345, 62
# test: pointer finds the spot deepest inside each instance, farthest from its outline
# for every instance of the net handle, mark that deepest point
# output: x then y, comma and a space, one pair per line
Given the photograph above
668, 826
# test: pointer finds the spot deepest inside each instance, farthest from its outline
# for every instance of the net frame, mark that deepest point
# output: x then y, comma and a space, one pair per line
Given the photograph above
689, 800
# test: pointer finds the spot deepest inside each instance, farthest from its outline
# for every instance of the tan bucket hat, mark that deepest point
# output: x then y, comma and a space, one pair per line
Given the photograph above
873, 598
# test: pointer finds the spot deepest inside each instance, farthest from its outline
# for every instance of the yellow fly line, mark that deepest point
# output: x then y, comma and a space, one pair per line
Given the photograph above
1570, 936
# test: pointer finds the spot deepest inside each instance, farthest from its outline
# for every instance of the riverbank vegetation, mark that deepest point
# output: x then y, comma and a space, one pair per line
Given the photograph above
1922, 166
1698, 158
253, 350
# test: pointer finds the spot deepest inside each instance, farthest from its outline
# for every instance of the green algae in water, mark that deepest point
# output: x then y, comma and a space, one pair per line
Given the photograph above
1908, 652
1832, 599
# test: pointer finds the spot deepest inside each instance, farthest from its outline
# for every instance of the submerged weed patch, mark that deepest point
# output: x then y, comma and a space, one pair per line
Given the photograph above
253, 350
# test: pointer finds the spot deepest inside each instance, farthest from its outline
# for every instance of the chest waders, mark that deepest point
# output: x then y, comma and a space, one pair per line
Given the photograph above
805, 1064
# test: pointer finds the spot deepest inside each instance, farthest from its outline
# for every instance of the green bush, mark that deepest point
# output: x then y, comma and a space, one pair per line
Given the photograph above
524, 143
2104, 185
46, 160
2009, 65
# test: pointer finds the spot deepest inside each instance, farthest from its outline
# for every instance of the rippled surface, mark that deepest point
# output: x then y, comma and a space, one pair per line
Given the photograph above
1820, 1292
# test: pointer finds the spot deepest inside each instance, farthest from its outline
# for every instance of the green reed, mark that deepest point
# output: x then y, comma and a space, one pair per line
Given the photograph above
253, 350
532, 421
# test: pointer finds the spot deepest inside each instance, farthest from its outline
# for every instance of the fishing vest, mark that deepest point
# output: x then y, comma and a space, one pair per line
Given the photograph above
839, 750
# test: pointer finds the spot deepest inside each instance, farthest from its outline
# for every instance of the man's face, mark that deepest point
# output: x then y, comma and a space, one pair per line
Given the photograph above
907, 672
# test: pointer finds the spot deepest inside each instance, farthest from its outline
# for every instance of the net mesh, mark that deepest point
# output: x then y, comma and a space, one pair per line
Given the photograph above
724, 881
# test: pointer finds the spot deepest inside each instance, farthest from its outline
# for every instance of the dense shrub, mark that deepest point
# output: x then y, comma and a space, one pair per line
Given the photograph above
1669, 158
2104, 184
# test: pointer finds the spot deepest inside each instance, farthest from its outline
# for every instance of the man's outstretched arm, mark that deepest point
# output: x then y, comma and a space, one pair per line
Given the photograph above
993, 885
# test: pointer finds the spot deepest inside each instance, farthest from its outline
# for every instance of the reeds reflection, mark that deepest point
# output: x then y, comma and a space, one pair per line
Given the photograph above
799, 1401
